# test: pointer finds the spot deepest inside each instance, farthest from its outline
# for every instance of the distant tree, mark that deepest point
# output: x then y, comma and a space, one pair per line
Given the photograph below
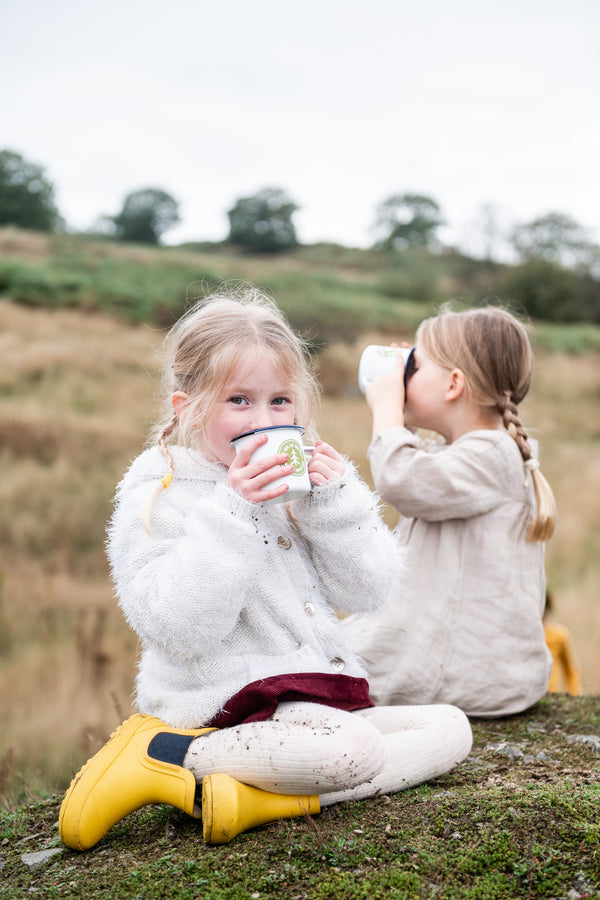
146, 215
26, 195
550, 292
263, 222
407, 220
556, 238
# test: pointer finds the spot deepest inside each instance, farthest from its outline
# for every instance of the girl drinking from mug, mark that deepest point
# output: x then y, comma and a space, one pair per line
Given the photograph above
247, 686
466, 627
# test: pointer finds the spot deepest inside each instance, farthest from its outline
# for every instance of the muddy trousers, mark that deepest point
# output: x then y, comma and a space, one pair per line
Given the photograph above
307, 748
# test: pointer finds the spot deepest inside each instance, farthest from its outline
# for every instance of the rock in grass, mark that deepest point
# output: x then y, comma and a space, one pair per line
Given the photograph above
40, 858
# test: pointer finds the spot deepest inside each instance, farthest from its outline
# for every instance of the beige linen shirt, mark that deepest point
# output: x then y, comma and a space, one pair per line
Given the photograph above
466, 626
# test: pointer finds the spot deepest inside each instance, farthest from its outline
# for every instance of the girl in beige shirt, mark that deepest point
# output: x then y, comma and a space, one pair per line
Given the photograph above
466, 626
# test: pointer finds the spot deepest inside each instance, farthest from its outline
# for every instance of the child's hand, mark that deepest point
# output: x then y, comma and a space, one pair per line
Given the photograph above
325, 464
385, 396
387, 389
248, 478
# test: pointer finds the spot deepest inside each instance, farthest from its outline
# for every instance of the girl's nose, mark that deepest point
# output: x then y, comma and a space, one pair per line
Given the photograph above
262, 419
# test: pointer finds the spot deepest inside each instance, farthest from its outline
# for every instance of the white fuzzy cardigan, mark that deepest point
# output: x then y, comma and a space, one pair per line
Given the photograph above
226, 592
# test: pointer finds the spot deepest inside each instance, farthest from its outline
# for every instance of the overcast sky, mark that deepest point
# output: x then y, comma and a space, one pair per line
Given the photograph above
341, 103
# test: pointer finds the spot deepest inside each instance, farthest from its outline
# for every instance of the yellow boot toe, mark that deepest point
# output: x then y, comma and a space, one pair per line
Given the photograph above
230, 807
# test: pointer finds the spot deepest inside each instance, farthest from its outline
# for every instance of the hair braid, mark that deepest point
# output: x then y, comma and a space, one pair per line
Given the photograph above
167, 479
164, 449
512, 422
542, 526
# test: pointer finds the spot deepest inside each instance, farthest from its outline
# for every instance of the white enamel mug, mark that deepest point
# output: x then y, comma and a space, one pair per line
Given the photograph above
379, 360
282, 439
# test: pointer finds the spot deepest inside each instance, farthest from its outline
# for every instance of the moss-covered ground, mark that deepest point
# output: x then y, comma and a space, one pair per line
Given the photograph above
520, 818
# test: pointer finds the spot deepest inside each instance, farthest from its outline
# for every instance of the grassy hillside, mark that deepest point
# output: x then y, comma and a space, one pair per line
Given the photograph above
77, 395
328, 292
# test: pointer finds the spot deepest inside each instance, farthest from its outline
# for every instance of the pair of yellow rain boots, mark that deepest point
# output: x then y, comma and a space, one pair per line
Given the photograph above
141, 764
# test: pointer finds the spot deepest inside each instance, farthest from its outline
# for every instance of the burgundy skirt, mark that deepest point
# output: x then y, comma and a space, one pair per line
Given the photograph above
257, 701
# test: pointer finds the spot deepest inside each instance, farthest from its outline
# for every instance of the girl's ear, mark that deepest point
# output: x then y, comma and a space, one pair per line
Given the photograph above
456, 385
178, 402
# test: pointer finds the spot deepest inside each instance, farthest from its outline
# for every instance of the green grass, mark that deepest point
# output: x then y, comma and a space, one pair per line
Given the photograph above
329, 293
155, 285
575, 339
493, 828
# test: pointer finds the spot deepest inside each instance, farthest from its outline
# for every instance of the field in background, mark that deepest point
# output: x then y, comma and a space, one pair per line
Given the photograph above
77, 394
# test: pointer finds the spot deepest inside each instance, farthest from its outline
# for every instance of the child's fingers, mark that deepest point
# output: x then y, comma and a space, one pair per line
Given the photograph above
325, 464
321, 473
243, 459
256, 468
387, 388
251, 479
243, 455
261, 496
279, 468
323, 449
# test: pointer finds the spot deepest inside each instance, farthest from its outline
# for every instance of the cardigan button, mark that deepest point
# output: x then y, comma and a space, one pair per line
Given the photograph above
338, 664
310, 608
284, 542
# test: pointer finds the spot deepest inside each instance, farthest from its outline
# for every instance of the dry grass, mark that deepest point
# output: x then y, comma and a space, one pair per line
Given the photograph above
24, 246
564, 408
75, 403
77, 394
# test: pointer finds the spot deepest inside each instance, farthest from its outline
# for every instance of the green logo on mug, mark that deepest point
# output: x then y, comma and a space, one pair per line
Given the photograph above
296, 455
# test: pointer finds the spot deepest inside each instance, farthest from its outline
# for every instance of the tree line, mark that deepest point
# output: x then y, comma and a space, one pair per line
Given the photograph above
556, 275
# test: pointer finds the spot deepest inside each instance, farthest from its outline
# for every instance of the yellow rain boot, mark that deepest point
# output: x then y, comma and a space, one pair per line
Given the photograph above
130, 771
230, 807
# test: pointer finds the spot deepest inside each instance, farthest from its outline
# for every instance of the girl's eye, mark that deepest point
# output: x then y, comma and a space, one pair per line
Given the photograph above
280, 401
237, 401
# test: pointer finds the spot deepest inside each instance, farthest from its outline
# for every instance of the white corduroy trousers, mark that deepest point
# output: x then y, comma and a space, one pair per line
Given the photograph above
307, 748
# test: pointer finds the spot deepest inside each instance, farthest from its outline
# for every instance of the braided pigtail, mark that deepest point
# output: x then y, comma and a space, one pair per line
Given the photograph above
167, 479
512, 422
164, 449
541, 528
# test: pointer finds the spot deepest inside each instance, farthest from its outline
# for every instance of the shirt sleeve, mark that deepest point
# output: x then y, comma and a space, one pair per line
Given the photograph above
456, 481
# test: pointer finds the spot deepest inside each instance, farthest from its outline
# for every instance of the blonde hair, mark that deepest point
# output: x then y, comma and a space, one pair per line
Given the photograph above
229, 327
491, 347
